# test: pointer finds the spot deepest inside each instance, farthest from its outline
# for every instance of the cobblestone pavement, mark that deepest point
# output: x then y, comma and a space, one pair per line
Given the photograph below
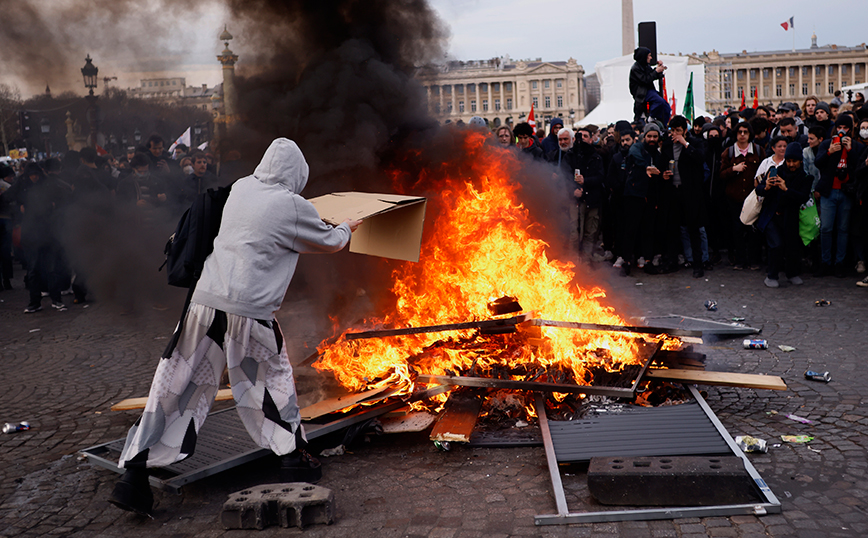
63, 370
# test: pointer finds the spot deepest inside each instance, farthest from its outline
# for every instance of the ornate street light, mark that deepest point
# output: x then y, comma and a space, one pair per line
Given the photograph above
89, 72
137, 136
197, 134
45, 128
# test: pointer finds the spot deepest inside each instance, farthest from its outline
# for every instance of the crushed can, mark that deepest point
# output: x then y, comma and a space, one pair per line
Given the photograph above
737, 319
822, 302
755, 344
15, 428
818, 376
711, 306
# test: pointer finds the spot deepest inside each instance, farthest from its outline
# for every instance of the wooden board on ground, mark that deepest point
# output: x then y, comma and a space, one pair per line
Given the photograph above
415, 421
458, 418
728, 379
139, 403
333, 405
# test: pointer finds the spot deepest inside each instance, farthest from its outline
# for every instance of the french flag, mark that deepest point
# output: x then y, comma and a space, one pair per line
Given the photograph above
788, 24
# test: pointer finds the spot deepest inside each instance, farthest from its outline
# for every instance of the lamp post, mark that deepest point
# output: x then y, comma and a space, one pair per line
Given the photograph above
137, 136
197, 134
45, 128
89, 72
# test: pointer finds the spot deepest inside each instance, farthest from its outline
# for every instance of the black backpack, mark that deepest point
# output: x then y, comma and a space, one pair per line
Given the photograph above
193, 239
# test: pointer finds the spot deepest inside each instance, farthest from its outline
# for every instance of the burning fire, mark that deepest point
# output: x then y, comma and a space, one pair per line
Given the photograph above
482, 247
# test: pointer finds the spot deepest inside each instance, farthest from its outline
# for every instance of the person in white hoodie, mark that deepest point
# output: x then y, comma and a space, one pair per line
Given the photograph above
266, 224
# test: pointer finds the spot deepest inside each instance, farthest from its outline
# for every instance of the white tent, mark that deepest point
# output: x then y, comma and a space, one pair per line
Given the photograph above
616, 103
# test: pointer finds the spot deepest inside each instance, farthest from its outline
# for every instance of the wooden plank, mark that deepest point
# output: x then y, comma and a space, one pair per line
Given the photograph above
458, 418
333, 405
139, 403
728, 379
487, 324
613, 328
487, 382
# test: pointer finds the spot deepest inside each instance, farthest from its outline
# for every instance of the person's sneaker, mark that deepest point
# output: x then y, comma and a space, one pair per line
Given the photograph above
681, 259
796, 281
698, 273
58, 305
32, 308
839, 270
608, 255
67, 292
860, 267
771, 283
45, 294
656, 261
737, 267
300, 466
618, 263
640, 263
863, 283
755, 267
133, 493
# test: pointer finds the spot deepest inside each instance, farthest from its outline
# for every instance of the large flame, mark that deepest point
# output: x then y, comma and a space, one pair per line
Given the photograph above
482, 246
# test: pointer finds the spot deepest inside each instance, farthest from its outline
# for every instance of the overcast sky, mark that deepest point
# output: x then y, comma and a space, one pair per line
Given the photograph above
590, 31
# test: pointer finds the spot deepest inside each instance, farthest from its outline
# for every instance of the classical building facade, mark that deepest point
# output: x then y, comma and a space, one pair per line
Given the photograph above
174, 91
780, 76
502, 90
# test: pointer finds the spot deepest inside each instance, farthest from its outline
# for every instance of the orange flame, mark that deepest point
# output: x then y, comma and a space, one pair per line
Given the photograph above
482, 246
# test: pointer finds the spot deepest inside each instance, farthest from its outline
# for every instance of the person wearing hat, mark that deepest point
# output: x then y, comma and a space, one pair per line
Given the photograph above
783, 192
822, 118
837, 159
550, 143
789, 110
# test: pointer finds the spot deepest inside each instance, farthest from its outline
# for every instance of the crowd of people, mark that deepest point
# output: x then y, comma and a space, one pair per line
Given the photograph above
43, 202
660, 193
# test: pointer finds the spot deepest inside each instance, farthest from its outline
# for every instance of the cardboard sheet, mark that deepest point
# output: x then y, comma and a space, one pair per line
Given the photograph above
391, 223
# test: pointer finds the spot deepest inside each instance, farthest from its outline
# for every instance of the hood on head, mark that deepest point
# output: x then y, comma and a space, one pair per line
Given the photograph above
283, 163
641, 54
844, 120
794, 151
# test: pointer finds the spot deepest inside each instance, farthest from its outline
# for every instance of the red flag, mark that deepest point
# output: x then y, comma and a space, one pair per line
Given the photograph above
755, 100
530, 119
663, 87
100, 151
742, 107
672, 103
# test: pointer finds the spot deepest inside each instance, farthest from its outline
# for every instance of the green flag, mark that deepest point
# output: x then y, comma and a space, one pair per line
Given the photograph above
688, 102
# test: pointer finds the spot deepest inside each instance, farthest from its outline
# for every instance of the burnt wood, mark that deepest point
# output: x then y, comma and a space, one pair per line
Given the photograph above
612, 328
459, 415
486, 324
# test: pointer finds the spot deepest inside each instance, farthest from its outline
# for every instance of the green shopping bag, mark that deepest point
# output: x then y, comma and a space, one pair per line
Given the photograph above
809, 222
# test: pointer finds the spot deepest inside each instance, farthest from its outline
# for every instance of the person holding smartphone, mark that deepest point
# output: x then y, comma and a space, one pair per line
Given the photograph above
784, 189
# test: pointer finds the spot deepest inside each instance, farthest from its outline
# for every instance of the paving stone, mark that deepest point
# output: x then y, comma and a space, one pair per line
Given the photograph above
294, 504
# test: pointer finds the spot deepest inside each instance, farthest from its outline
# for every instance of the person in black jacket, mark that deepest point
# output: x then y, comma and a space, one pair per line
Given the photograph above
550, 143
837, 159
645, 96
615, 180
589, 176
783, 196
526, 142
643, 170
682, 198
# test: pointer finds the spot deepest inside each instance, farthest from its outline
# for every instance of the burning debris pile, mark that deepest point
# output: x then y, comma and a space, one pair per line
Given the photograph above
483, 293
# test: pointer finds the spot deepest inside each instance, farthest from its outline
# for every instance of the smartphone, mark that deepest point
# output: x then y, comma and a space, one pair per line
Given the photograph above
773, 172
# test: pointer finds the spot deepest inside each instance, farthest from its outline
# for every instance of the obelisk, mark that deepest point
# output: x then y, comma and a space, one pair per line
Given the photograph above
628, 36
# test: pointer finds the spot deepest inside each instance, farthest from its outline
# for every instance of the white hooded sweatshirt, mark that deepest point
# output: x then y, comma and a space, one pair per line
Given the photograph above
265, 225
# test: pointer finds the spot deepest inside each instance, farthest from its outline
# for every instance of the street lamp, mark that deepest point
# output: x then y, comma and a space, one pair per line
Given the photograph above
45, 128
89, 72
197, 134
137, 136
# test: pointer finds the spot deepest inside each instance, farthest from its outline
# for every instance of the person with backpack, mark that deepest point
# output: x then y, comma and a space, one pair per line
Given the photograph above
230, 323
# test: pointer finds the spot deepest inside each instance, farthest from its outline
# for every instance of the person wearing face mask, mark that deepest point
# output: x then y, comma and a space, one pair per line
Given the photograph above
837, 159
784, 190
716, 224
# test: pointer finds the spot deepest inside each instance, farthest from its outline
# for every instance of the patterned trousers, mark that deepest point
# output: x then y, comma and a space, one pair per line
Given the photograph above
186, 382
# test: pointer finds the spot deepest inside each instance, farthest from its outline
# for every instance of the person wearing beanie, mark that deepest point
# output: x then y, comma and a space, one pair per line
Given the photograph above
550, 143
837, 159
645, 96
784, 189
644, 166
822, 118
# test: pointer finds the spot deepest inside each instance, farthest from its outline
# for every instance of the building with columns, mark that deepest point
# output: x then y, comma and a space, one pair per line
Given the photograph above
780, 76
501, 90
